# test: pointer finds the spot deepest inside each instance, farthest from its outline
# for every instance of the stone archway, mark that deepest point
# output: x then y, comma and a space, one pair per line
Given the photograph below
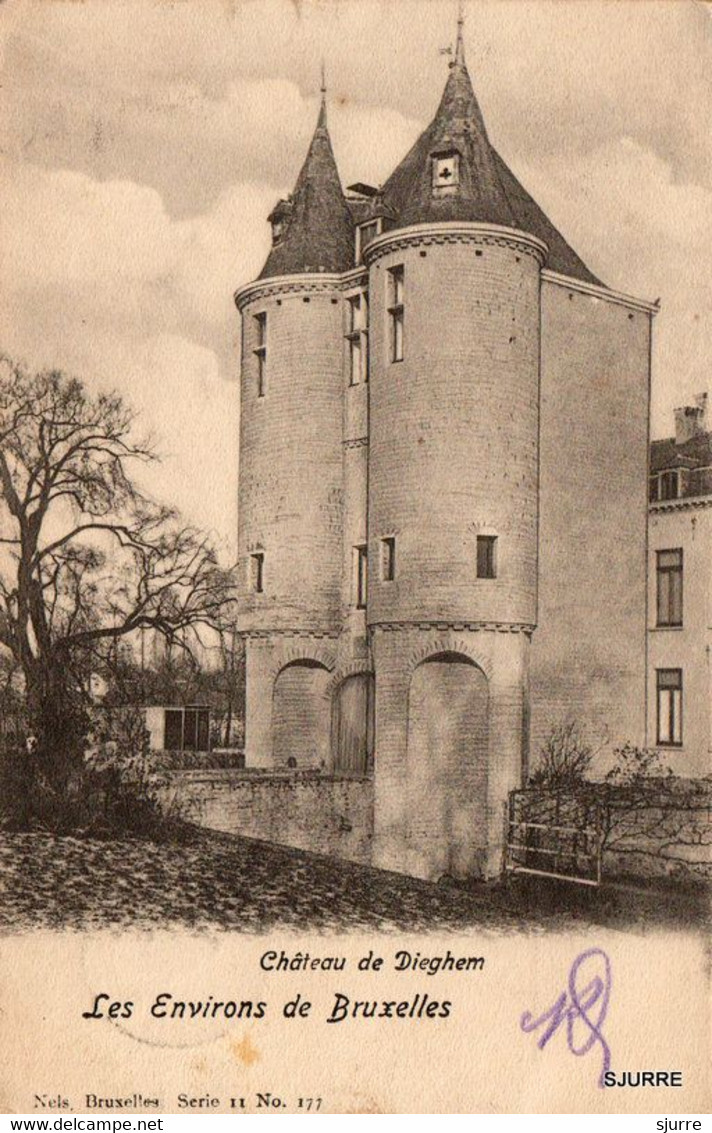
447, 766
352, 729
300, 715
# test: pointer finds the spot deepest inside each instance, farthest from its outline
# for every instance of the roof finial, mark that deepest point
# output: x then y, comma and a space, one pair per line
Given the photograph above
322, 109
460, 43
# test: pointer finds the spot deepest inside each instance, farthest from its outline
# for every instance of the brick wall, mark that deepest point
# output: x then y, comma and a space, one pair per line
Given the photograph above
275, 666
454, 428
446, 778
307, 811
442, 783
290, 486
688, 647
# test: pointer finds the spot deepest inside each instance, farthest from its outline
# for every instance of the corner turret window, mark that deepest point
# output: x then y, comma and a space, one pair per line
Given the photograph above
361, 576
486, 556
260, 352
365, 233
357, 338
396, 310
257, 572
446, 172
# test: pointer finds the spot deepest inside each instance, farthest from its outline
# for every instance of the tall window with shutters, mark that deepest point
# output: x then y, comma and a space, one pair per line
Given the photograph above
669, 587
669, 695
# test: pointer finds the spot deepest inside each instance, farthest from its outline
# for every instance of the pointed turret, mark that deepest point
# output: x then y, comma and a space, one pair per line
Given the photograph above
313, 229
453, 172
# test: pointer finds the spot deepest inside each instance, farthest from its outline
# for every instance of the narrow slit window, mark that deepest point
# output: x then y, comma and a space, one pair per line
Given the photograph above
357, 338
260, 352
257, 572
486, 556
669, 587
669, 695
388, 559
396, 311
361, 575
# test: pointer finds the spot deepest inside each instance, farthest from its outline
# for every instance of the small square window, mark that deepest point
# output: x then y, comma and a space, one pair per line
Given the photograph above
257, 572
446, 171
486, 556
388, 559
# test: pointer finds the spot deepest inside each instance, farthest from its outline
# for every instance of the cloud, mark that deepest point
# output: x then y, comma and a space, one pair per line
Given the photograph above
147, 143
649, 234
100, 281
63, 227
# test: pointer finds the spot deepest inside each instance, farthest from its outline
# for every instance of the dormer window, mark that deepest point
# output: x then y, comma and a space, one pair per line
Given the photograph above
278, 219
667, 485
446, 172
365, 233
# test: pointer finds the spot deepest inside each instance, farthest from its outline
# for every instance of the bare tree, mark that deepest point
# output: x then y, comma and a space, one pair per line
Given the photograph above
87, 557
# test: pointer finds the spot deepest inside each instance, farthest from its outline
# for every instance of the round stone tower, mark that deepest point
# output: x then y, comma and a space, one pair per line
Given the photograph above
290, 479
453, 495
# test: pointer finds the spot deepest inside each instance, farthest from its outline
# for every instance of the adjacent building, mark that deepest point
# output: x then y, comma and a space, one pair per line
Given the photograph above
680, 602
443, 490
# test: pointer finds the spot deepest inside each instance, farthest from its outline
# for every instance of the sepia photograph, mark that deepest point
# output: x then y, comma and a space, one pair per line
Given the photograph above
356, 553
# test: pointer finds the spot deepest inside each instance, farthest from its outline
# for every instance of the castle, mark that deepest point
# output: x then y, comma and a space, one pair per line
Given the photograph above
442, 493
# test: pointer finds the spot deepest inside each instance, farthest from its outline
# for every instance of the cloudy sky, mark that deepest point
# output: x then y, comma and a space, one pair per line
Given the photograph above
144, 143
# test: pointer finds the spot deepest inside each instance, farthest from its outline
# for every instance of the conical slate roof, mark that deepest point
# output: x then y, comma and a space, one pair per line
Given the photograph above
488, 191
318, 232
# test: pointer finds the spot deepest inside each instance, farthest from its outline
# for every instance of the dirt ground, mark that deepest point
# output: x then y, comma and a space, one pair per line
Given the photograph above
217, 881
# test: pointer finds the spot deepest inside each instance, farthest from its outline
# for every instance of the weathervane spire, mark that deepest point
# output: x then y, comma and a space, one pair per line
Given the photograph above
322, 109
460, 42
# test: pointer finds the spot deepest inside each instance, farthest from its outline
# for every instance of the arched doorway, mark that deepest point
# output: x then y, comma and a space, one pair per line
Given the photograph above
353, 724
446, 782
300, 715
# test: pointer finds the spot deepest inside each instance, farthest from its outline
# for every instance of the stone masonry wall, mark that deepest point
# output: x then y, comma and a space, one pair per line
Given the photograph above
323, 815
454, 429
588, 651
290, 486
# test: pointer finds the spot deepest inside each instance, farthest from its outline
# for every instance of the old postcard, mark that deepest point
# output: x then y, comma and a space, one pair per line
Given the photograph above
355, 557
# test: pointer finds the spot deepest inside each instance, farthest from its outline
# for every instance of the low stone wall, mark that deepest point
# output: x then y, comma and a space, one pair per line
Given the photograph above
304, 809
664, 841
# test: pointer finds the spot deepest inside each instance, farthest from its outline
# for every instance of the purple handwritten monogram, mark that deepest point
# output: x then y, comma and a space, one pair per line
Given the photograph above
582, 1007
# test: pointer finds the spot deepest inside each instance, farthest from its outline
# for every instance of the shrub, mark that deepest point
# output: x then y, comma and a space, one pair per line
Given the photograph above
119, 767
564, 760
